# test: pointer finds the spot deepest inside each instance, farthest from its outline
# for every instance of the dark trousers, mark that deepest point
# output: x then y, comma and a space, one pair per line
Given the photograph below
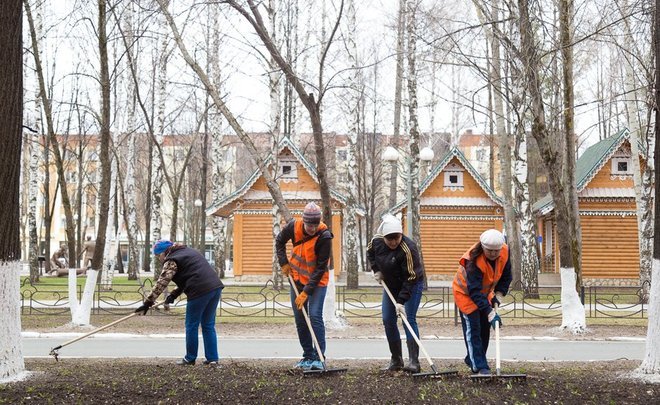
476, 333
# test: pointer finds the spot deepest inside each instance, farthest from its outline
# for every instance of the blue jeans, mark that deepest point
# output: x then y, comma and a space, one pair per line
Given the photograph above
476, 333
201, 310
314, 307
390, 317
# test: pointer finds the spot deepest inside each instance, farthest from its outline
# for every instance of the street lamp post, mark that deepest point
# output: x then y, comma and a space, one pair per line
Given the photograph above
390, 154
201, 245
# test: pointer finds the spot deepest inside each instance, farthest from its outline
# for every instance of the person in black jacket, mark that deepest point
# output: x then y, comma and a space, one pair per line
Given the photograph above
394, 259
195, 277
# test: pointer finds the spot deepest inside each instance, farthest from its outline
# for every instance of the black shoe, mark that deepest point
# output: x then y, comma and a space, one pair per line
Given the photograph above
184, 362
213, 364
396, 362
413, 357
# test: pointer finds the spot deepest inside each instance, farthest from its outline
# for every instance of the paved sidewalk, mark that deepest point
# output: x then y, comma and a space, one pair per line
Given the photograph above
172, 346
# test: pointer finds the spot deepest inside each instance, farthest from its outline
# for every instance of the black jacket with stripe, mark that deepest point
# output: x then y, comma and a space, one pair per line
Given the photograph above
401, 267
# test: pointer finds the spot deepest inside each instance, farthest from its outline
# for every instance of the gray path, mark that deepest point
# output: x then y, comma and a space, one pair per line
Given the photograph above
99, 346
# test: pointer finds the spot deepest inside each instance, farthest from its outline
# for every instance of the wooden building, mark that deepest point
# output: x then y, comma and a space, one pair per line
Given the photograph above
606, 200
456, 206
251, 209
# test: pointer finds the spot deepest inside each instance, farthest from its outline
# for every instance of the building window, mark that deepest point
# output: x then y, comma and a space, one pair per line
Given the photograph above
453, 176
621, 166
288, 170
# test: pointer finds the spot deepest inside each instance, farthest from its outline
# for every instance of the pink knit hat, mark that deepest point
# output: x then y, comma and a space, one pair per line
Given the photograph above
312, 214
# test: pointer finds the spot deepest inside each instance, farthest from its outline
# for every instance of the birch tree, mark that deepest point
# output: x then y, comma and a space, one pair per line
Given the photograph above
651, 361
218, 151
555, 151
130, 191
635, 56
398, 97
264, 166
34, 136
11, 115
350, 223
413, 142
311, 102
52, 137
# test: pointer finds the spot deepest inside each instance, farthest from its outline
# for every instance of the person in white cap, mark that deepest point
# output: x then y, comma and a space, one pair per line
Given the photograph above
482, 279
394, 259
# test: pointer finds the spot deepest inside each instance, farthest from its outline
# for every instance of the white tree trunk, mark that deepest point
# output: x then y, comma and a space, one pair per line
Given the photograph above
156, 168
351, 266
529, 260
651, 362
111, 236
12, 366
81, 311
219, 183
131, 197
572, 311
642, 180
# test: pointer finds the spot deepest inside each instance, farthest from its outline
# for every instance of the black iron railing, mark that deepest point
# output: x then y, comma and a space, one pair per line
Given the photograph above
266, 301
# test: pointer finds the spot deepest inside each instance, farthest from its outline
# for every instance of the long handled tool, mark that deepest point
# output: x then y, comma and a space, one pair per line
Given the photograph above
325, 370
419, 343
498, 373
54, 351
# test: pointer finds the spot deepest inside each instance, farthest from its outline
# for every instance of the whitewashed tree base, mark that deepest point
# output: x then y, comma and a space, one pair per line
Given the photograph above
12, 365
651, 363
333, 319
572, 311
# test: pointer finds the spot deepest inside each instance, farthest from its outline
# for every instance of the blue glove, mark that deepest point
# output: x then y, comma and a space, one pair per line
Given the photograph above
494, 317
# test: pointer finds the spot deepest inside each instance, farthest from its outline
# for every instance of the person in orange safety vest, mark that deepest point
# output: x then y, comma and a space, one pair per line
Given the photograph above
482, 279
308, 265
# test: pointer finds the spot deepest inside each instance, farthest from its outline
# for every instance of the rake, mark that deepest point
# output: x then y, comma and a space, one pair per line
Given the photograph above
324, 370
498, 373
54, 351
435, 372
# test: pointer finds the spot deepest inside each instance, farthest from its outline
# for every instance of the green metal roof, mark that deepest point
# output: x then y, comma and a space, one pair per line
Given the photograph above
588, 165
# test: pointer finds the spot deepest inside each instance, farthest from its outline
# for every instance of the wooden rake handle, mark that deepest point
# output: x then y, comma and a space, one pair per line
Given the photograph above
309, 323
410, 329
53, 351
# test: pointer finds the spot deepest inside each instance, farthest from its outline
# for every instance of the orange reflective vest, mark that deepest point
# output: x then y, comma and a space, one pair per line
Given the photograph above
490, 278
303, 256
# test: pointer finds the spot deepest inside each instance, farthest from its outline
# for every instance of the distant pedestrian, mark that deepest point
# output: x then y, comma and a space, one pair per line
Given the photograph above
195, 277
394, 259
89, 247
308, 265
482, 280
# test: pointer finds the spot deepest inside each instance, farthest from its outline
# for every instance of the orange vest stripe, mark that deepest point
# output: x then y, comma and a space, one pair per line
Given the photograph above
490, 278
303, 256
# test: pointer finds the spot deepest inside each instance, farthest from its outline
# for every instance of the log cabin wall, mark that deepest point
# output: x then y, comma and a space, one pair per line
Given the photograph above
452, 219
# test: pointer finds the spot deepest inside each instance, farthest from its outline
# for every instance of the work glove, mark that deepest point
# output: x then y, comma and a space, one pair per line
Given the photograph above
497, 299
170, 299
286, 269
300, 300
400, 309
378, 276
494, 317
144, 308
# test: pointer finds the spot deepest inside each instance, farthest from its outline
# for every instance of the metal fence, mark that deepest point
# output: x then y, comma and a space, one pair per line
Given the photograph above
266, 301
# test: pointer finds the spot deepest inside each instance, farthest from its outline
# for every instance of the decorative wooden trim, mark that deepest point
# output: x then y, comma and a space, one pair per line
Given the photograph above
592, 213
461, 217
